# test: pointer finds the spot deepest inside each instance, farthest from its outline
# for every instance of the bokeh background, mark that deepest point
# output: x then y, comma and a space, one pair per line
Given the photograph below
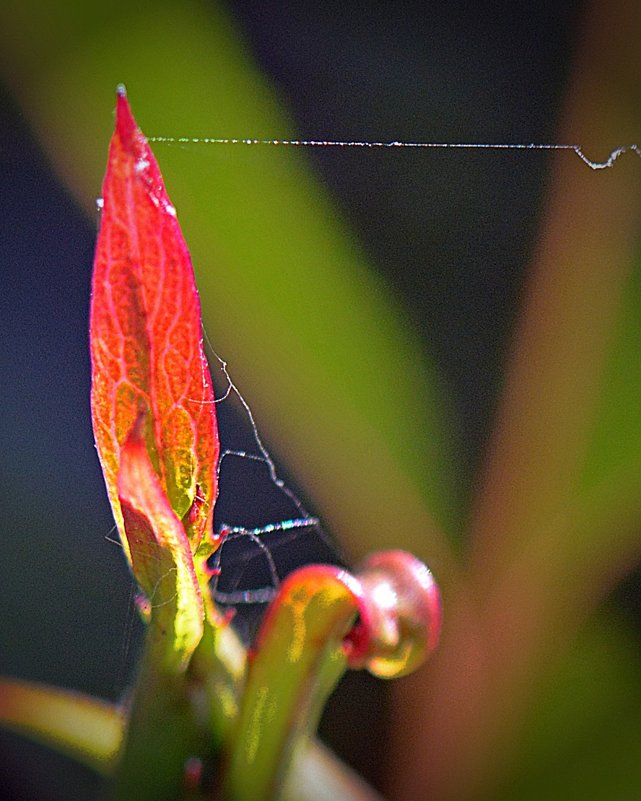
367, 303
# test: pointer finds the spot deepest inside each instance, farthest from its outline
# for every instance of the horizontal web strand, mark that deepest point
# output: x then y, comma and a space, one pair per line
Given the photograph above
577, 149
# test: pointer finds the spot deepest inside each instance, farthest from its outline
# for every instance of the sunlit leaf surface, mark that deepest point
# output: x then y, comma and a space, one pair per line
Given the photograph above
146, 343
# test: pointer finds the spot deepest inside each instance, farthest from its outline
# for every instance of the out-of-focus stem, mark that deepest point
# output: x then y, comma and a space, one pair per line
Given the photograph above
457, 737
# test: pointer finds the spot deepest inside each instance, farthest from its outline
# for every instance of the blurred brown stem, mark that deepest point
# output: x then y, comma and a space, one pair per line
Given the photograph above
459, 717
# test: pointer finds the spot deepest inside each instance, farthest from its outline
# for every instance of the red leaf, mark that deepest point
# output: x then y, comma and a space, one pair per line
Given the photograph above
146, 343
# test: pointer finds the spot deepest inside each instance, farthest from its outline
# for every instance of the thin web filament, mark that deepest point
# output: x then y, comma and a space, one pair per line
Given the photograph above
593, 164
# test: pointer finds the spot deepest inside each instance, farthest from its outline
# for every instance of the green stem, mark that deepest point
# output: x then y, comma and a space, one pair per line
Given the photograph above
162, 732
299, 658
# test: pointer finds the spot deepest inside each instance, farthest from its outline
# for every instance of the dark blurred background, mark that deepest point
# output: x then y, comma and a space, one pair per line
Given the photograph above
451, 231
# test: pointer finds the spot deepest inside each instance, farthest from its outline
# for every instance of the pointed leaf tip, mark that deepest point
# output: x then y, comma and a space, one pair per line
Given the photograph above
125, 123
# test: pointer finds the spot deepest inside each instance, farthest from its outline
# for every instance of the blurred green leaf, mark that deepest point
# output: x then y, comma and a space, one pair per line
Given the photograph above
85, 728
616, 440
314, 339
542, 554
584, 737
